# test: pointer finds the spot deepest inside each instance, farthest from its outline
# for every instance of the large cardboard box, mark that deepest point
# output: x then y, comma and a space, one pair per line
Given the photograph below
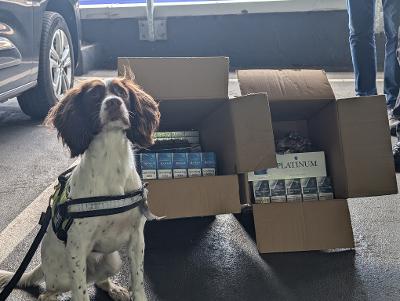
355, 137
193, 95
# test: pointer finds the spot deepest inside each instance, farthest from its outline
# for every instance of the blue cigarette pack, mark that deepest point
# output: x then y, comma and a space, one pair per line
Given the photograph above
208, 164
194, 164
164, 165
148, 166
179, 165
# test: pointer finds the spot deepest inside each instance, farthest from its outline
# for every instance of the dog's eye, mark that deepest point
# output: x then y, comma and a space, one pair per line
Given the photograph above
95, 92
119, 91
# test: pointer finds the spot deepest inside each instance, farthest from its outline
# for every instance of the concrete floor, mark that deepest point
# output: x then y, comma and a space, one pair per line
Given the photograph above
213, 258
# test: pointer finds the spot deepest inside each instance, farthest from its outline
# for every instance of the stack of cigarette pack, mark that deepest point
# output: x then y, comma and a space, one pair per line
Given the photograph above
177, 165
298, 177
292, 190
176, 155
182, 141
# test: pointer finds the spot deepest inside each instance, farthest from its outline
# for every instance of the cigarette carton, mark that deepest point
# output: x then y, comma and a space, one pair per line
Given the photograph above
192, 134
325, 191
208, 164
261, 191
162, 135
193, 137
294, 166
293, 190
309, 189
148, 166
194, 165
180, 165
193, 140
278, 191
164, 165
177, 135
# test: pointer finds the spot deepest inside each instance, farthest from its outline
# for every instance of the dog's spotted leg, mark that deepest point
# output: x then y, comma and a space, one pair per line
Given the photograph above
136, 259
76, 257
107, 266
48, 296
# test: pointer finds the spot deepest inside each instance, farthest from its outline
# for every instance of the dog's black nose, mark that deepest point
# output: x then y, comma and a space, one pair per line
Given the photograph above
113, 103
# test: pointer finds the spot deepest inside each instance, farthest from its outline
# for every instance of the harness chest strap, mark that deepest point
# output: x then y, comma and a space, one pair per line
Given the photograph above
65, 210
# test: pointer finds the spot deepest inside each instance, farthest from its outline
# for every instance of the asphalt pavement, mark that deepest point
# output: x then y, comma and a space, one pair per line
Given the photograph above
212, 258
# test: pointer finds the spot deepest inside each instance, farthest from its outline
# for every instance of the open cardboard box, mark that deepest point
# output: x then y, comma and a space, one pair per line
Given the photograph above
193, 95
355, 137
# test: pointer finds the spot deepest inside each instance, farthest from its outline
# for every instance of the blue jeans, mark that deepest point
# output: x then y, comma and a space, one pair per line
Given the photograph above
363, 51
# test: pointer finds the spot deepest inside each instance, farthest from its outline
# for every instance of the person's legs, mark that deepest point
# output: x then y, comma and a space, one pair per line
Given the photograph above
362, 45
396, 112
391, 17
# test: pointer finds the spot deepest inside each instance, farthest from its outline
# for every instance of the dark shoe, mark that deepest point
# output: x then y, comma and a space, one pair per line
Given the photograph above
393, 122
396, 155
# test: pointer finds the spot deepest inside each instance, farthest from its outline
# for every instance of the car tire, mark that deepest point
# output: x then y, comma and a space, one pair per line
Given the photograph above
53, 69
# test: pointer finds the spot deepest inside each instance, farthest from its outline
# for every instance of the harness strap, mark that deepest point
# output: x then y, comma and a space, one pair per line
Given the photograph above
65, 213
102, 205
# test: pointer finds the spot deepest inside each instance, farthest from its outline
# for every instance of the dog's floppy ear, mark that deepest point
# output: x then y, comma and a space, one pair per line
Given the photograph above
144, 116
72, 126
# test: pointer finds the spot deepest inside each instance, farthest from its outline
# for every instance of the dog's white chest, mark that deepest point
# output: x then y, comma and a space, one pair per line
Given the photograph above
112, 232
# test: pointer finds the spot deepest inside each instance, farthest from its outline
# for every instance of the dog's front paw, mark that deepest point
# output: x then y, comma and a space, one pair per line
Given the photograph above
139, 295
118, 293
48, 296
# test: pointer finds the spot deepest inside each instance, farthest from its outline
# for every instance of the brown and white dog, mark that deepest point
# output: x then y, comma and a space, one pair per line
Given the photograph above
98, 119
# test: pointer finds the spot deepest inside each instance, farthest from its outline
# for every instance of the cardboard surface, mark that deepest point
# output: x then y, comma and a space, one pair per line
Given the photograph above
240, 132
180, 78
255, 146
200, 196
193, 95
282, 85
366, 143
355, 137
303, 226
305, 92
186, 114
324, 133
353, 133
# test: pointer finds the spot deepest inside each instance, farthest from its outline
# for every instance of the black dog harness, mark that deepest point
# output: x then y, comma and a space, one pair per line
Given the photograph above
65, 210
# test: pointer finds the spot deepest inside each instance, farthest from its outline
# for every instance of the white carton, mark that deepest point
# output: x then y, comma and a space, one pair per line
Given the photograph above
292, 166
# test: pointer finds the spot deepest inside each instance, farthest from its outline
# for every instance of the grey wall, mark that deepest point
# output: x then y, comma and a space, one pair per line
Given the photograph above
278, 40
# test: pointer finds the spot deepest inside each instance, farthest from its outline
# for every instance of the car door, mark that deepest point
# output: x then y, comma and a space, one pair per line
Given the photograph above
16, 34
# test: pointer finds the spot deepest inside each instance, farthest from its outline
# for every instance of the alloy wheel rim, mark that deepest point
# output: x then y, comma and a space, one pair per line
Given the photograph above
60, 63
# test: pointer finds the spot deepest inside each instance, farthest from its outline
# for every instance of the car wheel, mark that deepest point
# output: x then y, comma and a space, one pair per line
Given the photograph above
56, 68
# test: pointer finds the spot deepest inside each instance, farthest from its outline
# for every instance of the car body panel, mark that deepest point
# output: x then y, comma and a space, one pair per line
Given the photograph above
16, 44
20, 35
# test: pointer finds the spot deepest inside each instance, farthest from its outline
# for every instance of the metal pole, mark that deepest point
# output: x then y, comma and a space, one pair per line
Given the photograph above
150, 19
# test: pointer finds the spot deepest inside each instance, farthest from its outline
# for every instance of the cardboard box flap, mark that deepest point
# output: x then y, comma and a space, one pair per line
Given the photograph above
188, 114
303, 226
188, 197
254, 136
244, 125
366, 146
180, 78
293, 94
283, 85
